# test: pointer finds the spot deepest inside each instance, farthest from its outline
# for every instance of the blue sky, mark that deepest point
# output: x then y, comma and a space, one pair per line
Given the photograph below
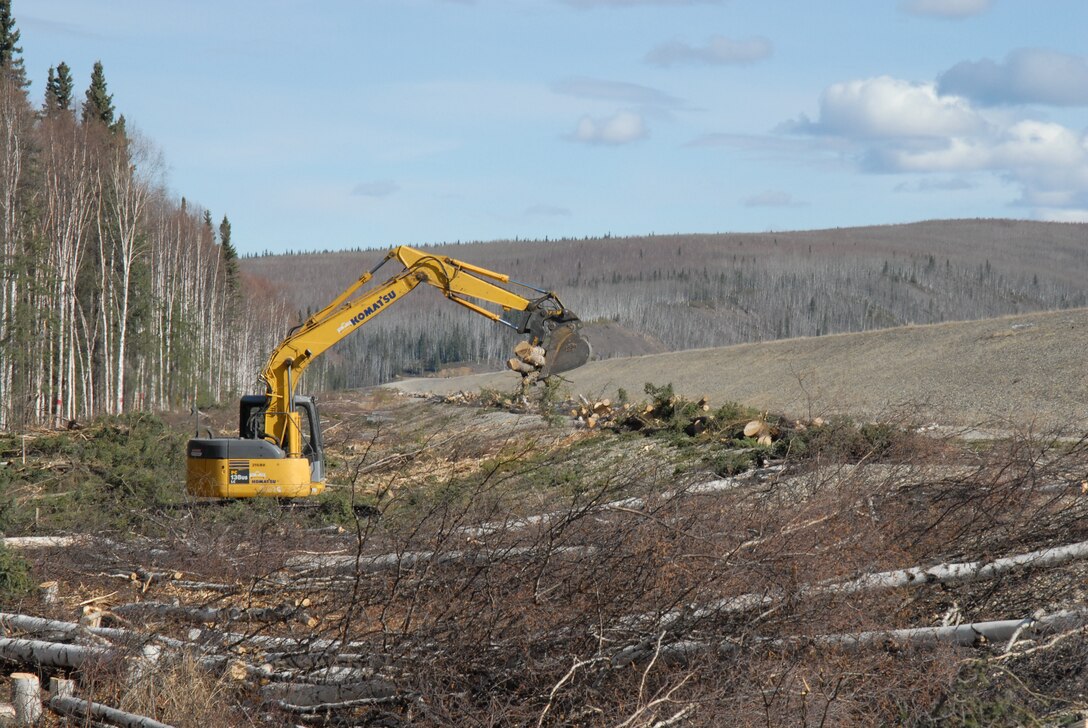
345, 123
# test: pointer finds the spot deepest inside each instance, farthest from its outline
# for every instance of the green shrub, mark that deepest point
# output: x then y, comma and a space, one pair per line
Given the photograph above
15, 581
105, 476
731, 462
843, 439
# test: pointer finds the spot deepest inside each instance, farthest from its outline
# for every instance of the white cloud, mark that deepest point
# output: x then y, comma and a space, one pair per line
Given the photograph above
909, 128
946, 8
718, 50
622, 128
1025, 146
1028, 75
890, 107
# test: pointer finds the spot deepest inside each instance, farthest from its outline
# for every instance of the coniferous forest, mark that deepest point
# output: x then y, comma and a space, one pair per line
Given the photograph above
115, 294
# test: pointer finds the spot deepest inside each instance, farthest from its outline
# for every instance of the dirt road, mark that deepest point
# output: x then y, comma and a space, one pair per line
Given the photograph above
1004, 373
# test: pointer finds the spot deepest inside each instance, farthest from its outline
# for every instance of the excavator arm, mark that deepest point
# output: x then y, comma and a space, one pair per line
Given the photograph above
543, 318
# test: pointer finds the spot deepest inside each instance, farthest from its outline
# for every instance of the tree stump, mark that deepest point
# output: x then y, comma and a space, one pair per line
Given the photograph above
26, 698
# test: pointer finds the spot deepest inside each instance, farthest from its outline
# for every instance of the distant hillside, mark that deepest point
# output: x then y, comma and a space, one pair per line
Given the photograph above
1013, 373
691, 291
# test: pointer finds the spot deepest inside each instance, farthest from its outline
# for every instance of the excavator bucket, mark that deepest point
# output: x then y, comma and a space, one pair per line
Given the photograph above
565, 349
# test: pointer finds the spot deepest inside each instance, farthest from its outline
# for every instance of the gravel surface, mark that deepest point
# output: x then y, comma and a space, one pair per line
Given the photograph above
999, 374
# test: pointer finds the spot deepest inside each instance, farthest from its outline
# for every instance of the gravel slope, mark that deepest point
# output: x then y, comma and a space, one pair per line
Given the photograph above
1005, 373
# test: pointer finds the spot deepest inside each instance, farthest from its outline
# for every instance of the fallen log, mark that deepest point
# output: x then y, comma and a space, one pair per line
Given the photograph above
962, 572
58, 630
84, 709
963, 635
534, 357
52, 654
303, 694
705, 488
522, 349
308, 660
44, 542
330, 707
212, 615
953, 573
412, 559
331, 667
214, 638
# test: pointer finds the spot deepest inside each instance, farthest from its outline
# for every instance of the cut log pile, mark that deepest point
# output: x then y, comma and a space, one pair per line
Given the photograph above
599, 412
294, 674
690, 417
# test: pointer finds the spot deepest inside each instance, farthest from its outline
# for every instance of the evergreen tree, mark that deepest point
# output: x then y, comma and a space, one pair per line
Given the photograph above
99, 104
229, 254
11, 59
58, 89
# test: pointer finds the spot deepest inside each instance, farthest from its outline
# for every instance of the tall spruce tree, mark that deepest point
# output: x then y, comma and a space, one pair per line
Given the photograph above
229, 255
98, 105
58, 89
11, 59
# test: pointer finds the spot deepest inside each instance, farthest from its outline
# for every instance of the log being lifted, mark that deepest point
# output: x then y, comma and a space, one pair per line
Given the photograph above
520, 366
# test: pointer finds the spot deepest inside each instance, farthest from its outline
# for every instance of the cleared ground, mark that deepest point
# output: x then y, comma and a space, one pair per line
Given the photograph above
1003, 373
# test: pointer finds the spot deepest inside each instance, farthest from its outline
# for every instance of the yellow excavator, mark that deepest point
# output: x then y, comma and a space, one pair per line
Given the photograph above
279, 450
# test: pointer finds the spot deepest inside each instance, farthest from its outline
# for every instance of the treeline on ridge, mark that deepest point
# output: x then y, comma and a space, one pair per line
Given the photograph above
692, 291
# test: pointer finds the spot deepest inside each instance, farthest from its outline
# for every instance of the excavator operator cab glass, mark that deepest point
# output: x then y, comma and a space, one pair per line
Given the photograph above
310, 433
306, 434
251, 416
